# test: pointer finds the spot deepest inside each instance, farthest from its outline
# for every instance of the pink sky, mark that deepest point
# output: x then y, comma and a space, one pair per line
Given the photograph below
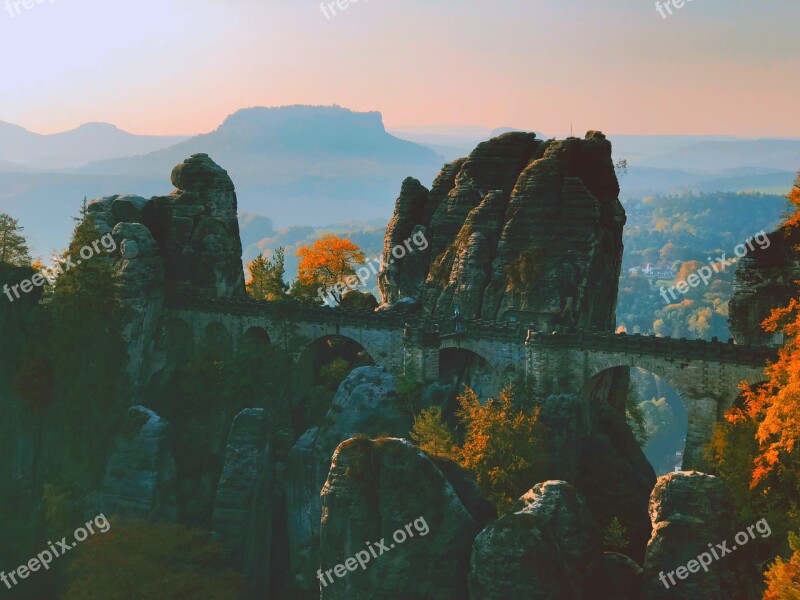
181, 66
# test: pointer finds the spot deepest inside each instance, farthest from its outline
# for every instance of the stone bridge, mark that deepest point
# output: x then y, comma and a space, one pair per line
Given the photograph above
707, 375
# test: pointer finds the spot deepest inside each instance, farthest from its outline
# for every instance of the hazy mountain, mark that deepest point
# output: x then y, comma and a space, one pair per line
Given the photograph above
74, 148
731, 154
298, 165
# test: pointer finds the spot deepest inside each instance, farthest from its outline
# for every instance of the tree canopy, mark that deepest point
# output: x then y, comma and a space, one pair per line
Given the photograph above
13, 246
329, 263
267, 277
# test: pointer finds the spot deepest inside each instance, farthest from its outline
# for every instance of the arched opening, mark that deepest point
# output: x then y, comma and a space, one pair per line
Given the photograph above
321, 368
653, 409
256, 338
665, 418
459, 367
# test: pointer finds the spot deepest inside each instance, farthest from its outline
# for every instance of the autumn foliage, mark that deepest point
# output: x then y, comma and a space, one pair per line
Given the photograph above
757, 448
502, 444
329, 262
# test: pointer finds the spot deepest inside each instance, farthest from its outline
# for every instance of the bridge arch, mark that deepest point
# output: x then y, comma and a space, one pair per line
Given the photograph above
461, 367
654, 410
257, 337
319, 368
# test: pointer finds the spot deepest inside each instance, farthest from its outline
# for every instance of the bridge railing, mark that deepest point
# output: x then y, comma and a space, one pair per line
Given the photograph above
432, 329
289, 310
679, 349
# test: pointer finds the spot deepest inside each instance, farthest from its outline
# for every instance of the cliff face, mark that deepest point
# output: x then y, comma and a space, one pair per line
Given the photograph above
522, 228
766, 279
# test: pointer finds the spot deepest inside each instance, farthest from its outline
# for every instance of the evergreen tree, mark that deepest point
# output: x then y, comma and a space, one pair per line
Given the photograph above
13, 247
267, 277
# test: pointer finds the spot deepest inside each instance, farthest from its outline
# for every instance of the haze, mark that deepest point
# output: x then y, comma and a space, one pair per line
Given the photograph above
181, 66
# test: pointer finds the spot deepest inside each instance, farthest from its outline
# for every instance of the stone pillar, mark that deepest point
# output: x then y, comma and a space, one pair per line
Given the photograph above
421, 354
702, 416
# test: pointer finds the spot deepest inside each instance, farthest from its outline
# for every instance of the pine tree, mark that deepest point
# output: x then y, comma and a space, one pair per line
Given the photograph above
267, 277
13, 247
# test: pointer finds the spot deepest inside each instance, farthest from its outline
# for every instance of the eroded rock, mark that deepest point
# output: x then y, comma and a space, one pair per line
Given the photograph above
548, 548
690, 513
387, 490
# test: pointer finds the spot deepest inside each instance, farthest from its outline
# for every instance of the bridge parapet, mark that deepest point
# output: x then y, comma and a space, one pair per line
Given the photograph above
678, 349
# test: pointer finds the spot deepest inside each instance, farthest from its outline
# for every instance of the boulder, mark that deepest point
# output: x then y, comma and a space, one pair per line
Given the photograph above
358, 300
127, 209
548, 548
386, 492
617, 578
242, 514
691, 512
140, 473
366, 403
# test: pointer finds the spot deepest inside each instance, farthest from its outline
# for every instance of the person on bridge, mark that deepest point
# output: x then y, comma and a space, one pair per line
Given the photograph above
458, 320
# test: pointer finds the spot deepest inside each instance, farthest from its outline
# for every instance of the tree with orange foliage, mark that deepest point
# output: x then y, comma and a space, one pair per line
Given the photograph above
329, 264
502, 444
757, 448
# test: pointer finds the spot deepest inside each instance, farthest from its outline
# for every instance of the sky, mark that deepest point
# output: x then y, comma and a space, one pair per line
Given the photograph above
714, 67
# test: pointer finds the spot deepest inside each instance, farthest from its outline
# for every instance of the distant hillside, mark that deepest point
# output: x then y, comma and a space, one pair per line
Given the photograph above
300, 165
639, 182
74, 148
731, 154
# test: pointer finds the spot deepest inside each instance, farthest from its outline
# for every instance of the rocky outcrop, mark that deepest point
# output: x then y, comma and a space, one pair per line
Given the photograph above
548, 548
591, 446
521, 229
358, 300
690, 513
242, 517
140, 473
366, 403
387, 491
185, 242
198, 231
617, 578
766, 279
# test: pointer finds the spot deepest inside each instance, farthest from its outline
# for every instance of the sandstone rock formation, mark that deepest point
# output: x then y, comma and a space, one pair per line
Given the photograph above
359, 300
691, 512
548, 548
242, 517
140, 473
375, 488
617, 578
591, 446
185, 242
198, 231
365, 403
521, 229
766, 279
